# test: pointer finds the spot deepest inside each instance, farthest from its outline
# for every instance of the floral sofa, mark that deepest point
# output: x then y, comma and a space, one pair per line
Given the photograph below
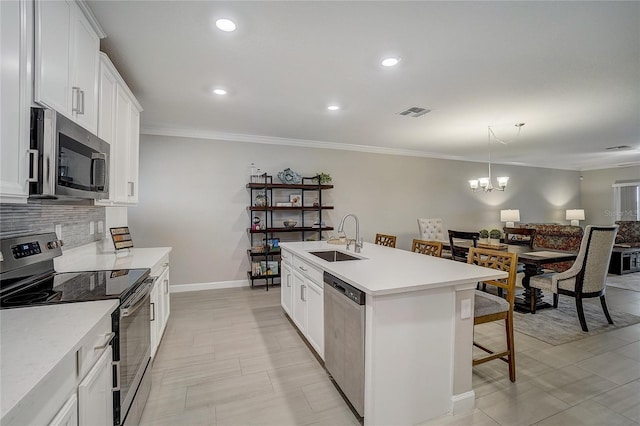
628, 233
557, 237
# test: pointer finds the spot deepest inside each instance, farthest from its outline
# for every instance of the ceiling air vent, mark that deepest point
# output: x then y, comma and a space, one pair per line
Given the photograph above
415, 112
618, 148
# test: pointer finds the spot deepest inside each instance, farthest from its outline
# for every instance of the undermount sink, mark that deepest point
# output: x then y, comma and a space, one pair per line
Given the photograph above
333, 256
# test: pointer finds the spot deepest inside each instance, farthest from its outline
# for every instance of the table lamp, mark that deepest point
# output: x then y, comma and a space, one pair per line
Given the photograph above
575, 216
510, 216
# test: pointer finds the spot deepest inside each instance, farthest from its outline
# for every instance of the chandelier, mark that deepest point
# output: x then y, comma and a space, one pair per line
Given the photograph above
486, 183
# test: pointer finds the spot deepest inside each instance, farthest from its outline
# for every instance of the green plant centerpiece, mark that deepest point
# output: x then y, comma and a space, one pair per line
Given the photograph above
495, 234
484, 233
322, 178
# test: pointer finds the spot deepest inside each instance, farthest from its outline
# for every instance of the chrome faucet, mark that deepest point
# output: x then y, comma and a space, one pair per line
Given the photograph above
357, 241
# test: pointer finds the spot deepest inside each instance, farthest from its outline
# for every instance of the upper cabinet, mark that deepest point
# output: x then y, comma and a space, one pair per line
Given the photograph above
66, 61
119, 124
16, 38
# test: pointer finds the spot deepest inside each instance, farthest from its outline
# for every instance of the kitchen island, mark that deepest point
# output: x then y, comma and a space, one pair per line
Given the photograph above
418, 328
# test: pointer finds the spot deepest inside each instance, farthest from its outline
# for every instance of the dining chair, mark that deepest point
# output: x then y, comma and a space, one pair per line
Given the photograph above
386, 240
430, 229
587, 276
489, 307
515, 236
431, 248
459, 252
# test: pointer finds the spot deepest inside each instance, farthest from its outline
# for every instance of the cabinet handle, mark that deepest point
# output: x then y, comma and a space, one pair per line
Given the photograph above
302, 293
75, 100
284, 256
302, 268
33, 161
153, 311
131, 188
116, 364
166, 286
108, 338
288, 280
81, 102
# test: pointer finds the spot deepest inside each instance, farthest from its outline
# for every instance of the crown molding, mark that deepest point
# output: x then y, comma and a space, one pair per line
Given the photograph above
305, 143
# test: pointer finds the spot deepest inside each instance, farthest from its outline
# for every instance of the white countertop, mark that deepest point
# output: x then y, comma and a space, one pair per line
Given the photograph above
386, 270
91, 258
36, 339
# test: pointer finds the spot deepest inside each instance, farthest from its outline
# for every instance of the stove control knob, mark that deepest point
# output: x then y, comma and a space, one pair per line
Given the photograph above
53, 244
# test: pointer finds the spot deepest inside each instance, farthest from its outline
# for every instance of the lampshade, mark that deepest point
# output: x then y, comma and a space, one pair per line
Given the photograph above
510, 216
575, 216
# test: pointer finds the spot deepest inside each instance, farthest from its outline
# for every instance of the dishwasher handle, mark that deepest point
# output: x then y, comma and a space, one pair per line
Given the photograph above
347, 290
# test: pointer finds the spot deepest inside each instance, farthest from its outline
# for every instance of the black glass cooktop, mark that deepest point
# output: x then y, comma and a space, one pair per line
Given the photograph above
75, 287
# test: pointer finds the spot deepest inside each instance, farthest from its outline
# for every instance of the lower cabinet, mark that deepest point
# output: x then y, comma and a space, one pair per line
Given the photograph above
286, 286
95, 400
160, 308
307, 303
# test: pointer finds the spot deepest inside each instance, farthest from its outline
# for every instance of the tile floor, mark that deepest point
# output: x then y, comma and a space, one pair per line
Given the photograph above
230, 357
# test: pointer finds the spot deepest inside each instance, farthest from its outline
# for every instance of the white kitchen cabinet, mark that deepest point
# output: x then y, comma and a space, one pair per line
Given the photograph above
66, 61
16, 38
286, 286
68, 414
299, 316
315, 317
95, 397
119, 124
307, 302
160, 304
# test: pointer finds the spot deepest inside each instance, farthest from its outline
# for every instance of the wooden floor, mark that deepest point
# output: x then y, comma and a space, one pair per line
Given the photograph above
230, 357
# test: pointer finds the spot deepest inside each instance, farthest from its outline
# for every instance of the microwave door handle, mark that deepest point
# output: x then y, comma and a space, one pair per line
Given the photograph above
101, 158
33, 171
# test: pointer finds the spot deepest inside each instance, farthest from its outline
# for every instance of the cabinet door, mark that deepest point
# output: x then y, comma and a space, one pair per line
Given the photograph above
134, 146
106, 102
154, 323
15, 82
122, 134
95, 395
315, 317
299, 302
84, 71
166, 299
52, 54
286, 288
68, 414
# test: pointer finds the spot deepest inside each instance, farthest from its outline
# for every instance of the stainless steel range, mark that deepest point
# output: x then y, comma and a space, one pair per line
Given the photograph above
28, 278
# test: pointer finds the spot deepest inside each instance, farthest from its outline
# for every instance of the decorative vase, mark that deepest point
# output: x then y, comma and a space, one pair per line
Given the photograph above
483, 240
494, 241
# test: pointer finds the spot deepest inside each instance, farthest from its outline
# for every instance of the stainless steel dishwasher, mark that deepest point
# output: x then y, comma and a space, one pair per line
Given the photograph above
344, 338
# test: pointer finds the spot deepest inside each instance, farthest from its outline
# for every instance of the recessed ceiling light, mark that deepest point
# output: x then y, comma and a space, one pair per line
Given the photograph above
333, 107
226, 25
390, 62
219, 91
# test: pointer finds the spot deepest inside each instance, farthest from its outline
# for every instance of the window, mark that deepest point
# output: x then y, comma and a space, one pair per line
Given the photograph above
626, 200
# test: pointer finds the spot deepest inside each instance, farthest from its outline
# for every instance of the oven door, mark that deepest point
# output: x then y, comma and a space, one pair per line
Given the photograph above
133, 350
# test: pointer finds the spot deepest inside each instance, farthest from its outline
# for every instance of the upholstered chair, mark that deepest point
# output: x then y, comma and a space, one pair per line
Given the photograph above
385, 240
489, 307
588, 275
431, 229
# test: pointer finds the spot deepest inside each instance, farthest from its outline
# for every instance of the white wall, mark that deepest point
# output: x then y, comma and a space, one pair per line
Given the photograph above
597, 193
193, 197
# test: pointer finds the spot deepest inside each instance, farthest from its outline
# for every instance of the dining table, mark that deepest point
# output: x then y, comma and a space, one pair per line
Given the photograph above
533, 260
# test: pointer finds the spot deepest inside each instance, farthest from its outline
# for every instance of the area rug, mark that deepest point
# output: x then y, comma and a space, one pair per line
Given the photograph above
561, 325
627, 281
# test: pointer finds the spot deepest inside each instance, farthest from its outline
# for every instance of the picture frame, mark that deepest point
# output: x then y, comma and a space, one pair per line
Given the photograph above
295, 200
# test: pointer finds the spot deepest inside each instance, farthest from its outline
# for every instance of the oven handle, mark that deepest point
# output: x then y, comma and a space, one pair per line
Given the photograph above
116, 388
138, 301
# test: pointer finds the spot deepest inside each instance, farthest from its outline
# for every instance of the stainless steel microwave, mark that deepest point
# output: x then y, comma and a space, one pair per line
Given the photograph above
67, 161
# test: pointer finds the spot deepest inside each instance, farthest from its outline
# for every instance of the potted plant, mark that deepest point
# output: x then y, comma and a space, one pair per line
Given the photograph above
323, 178
494, 237
484, 236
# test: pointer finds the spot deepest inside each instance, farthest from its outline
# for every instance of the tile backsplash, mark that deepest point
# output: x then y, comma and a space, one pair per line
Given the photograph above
21, 219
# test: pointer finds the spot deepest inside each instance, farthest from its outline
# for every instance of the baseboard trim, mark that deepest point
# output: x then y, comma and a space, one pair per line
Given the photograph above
463, 402
182, 288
